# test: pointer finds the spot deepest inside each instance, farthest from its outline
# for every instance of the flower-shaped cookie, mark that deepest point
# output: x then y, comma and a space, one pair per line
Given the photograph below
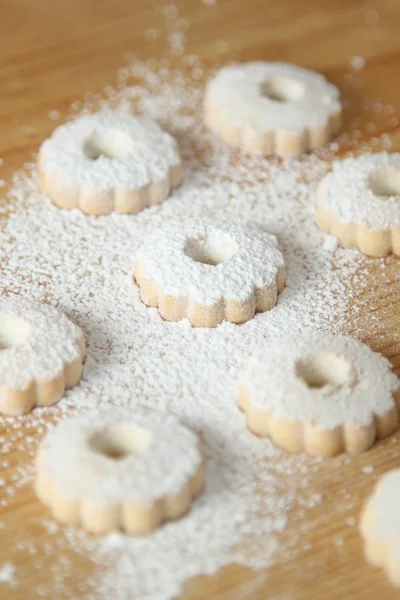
41, 355
272, 107
119, 469
358, 202
320, 393
209, 272
109, 161
380, 526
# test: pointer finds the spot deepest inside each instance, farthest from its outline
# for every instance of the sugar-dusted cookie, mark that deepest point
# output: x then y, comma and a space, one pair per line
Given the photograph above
109, 161
209, 272
358, 202
380, 526
272, 107
320, 393
119, 469
41, 355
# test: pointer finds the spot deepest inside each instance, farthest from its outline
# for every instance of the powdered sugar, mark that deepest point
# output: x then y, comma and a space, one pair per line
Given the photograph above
106, 151
245, 95
242, 259
357, 63
355, 389
84, 266
37, 342
365, 190
368, 469
7, 573
161, 456
330, 243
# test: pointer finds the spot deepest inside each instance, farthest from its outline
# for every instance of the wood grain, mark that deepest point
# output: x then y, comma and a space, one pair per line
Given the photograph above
52, 52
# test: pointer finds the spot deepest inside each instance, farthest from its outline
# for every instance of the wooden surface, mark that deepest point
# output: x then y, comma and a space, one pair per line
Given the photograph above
52, 52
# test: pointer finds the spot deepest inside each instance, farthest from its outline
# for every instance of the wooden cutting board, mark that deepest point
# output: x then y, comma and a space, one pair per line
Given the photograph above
52, 52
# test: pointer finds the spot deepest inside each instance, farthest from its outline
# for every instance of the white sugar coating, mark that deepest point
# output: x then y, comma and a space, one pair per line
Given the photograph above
103, 151
368, 469
164, 455
7, 573
357, 62
365, 190
241, 93
384, 522
364, 387
37, 340
84, 266
330, 243
248, 258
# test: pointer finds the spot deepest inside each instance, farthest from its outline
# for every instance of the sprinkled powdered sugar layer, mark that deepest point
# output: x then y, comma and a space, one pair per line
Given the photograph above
76, 154
368, 386
38, 340
166, 457
248, 259
84, 266
7, 573
364, 189
241, 94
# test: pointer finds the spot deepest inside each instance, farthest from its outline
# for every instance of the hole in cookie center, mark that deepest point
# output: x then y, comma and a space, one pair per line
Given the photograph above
119, 441
14, 331
213, 249
385, 182
282, 89
110, 144
324, 369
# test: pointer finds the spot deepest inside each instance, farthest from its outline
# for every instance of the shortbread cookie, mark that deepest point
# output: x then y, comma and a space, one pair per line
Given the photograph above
209, 272
109, 161
272, 107
358, 202
320, 393
119, 469
380, 526
41, 355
